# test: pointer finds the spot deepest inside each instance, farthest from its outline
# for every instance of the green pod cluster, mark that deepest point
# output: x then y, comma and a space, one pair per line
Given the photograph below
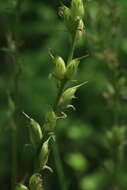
73, 18
71, 23
20, 186
35, 182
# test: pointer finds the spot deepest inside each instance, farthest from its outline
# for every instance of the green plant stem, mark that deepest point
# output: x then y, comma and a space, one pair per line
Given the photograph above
118, 152
14, 157
116, 98
70, 57
60, 91
59, 167
58, 162
13, 46
14, 92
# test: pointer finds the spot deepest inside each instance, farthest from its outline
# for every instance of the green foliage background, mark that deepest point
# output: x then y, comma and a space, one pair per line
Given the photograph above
82, 136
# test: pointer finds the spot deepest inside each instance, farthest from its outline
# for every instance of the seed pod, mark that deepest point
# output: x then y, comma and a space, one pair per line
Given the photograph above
66, 13
21, 187
50, 121
34, 131
80, 30
68, 95
70, 21
60, 68
43, 157
72, 68
35, 182
77, 8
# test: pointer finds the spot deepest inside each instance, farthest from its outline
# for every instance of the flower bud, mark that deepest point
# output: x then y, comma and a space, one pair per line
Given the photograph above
70, 21
34, 131
66, 13
35, 182
43, 157
21, 187
67, 17
72, 68
60, 68
68, 95
50, 121
80, 29
77, 8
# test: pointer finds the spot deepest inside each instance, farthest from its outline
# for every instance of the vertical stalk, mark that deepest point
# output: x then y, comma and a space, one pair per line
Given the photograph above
58, 162
12, 41
117, 151
72, 49
13, 99
59, 167
50, 121
14, 157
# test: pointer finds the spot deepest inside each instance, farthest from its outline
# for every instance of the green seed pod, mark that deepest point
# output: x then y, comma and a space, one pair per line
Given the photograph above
21, 187
80, 30
43, 157
66, 13
50, 121
72, 68
35, 182
77, 8
34, 131
70, 21
68, 95
60, 68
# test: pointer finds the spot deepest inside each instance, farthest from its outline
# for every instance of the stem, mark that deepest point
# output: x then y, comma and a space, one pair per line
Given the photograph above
116, 98
14, 100
118, 151
70, 57
12, 40
63, 83
14, 156
60, 91
58, 162
59, 167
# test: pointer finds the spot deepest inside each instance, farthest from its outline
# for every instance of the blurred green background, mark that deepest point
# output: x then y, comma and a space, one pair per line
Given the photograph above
82, 136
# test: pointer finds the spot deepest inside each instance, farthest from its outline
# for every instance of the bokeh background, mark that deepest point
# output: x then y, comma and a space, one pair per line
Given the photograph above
81, 137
